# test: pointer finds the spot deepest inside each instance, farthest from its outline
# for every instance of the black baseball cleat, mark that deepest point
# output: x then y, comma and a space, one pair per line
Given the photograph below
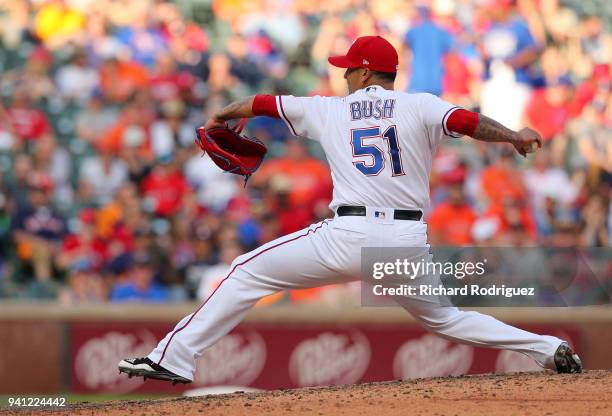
144, 367
566, 360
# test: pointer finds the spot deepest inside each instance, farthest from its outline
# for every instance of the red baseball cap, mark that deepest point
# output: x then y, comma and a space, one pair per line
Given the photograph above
41, 182
372, 52
88, 216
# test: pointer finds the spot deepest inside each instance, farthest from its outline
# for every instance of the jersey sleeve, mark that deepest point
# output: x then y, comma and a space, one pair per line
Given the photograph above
434, 116
305, 116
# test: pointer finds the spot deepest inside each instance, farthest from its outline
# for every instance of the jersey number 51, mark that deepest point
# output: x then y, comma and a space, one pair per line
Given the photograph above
376, 153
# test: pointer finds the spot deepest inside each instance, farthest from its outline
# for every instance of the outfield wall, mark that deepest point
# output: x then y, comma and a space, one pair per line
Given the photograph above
76, 349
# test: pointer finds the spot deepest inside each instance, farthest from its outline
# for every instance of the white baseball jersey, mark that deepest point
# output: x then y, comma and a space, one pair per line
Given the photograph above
379, 143
380, 146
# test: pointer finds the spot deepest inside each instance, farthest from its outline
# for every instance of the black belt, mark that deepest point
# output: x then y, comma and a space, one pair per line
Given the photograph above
398, 214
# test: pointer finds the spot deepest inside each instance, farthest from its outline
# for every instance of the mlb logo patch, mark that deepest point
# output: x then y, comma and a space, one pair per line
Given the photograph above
379, 214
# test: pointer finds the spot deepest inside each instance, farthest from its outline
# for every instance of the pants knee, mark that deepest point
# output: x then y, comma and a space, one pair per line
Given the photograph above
438, 317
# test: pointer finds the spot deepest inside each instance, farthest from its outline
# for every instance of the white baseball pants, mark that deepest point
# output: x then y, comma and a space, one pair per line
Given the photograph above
325, 253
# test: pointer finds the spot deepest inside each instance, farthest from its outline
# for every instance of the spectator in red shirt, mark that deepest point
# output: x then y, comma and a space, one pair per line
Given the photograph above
174, 27
291, 216
585, 92
457, 79
517, 225
549, 108
166, 82
27, 122
83, 250
451, 221
165, 187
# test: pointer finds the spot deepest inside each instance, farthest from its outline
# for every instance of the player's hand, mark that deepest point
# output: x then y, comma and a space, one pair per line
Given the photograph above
215, 123
527, 141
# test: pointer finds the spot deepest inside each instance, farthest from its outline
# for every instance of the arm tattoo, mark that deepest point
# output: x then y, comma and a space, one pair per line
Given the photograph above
237, 109
489, 130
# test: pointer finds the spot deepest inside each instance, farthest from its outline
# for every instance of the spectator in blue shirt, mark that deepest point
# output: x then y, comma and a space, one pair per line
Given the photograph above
140, 286
428, 43
144, 42
510, 40
38, 229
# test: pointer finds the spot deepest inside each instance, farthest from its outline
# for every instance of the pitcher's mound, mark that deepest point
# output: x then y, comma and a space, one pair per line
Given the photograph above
540, 393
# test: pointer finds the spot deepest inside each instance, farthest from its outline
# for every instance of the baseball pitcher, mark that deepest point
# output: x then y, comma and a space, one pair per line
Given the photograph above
380, 144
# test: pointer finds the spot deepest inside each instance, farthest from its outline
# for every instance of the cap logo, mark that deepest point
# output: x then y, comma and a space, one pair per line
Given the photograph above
366, 62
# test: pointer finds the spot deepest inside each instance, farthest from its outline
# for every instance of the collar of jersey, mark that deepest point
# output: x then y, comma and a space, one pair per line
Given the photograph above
373, 85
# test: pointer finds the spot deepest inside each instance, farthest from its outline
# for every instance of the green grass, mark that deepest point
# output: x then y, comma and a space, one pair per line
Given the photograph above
80, 398
83, 398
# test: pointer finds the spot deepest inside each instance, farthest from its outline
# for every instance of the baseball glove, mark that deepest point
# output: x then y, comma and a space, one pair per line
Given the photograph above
232, 151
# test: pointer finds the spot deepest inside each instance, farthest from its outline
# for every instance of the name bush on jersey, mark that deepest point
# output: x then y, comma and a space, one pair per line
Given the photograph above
372, 109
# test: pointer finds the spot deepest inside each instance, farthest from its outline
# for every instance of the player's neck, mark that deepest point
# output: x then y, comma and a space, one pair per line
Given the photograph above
385, 85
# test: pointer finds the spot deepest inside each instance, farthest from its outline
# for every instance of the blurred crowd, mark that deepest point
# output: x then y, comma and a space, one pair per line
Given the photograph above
103, 195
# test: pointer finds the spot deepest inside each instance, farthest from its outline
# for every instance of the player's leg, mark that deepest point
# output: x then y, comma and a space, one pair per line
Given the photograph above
307, 258
467, 327
473, 328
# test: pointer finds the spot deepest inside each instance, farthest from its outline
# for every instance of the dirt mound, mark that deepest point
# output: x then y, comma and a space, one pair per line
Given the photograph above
542, 393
